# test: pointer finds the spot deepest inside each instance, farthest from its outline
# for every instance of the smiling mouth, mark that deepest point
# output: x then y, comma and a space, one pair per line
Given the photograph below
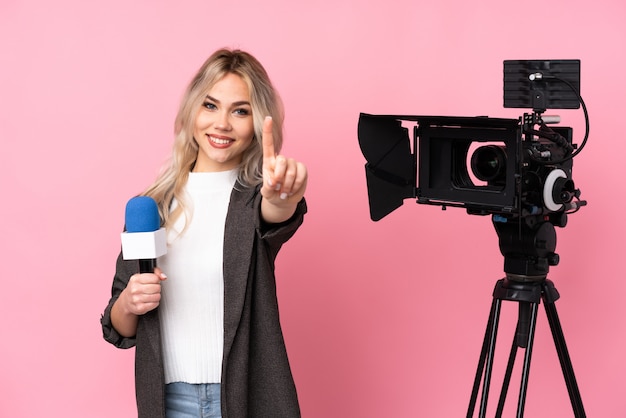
220, 141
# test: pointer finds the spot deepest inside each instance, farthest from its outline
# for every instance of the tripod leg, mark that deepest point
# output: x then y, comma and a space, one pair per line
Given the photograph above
481, 363
486, 355
523, 338
534, 307
564, 358
519, 340
490, 355
507, 377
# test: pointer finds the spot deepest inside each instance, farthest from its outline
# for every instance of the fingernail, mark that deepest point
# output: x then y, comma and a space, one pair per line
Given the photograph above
163, 276
269, 182
283, 196
277, 188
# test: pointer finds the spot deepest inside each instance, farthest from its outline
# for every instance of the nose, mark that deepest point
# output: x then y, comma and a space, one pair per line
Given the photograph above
223, 121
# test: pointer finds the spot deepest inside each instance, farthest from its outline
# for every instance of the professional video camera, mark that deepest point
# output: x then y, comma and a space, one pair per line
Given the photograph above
517, 170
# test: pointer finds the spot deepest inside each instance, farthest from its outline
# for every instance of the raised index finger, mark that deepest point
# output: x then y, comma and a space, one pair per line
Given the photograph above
268, 138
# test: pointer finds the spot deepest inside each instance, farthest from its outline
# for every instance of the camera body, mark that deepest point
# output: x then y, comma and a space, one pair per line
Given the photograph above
507, 172
509, 168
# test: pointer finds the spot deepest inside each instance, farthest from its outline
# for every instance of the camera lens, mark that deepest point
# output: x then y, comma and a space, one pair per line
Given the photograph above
489, 163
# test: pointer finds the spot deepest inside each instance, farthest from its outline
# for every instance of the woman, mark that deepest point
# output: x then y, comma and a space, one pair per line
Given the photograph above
208, 334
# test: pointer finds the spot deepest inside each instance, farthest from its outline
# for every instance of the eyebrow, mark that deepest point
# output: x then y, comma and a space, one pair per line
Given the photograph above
239, 103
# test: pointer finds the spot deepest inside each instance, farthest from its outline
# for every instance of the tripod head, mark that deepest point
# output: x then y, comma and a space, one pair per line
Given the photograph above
528, 246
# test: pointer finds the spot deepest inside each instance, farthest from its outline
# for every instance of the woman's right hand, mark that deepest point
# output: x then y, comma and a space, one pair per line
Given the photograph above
143, 292
141, 295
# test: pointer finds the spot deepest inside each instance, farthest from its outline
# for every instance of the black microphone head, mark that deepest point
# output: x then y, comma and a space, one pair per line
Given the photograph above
142, 215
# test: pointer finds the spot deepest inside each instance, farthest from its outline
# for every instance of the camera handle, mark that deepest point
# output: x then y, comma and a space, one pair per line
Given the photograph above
526, 268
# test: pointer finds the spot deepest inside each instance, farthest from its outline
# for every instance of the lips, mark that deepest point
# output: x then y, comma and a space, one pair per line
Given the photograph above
220, 141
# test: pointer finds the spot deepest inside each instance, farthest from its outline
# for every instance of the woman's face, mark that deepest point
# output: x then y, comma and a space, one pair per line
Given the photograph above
224, 127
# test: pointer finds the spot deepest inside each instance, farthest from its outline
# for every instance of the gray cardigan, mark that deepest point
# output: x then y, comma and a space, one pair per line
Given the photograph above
256, 377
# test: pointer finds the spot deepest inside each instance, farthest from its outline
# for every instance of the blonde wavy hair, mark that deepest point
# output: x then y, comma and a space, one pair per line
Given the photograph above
264, 100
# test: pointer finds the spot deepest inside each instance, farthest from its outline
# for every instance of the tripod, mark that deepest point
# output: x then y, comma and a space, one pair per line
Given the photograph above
528, 249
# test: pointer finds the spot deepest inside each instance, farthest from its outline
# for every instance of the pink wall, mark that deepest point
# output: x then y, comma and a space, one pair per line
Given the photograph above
381, 319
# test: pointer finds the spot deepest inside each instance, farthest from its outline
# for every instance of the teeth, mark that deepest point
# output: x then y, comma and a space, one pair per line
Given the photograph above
219, 141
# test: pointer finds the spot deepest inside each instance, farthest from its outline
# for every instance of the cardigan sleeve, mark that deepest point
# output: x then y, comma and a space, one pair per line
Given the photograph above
123, 270
275, 235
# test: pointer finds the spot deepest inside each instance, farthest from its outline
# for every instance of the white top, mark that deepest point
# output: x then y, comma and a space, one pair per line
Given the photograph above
192, 303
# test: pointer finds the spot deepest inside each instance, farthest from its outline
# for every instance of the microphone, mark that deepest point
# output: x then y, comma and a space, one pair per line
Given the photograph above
143, 239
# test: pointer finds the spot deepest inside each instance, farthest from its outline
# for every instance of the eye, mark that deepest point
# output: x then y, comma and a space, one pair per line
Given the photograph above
209, 105
242, 111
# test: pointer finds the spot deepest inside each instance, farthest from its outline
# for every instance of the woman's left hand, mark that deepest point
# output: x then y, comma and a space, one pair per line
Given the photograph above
284, 180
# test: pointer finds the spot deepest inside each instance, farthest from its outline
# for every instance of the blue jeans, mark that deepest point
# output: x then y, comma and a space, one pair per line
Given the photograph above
185, 400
